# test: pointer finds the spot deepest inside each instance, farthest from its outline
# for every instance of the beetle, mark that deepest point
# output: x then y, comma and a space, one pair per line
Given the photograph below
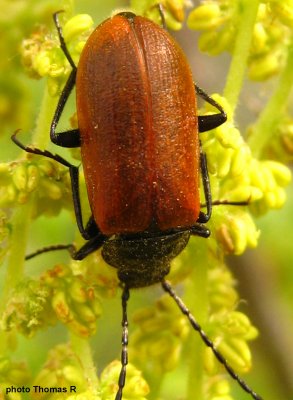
138, 131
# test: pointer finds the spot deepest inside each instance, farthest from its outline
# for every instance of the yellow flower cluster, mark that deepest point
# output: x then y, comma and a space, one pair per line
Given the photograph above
75, 302
45, 178
230, 330
43, 57
173, 11
59, 295
12, 373
236, 176
218, 21
63, 369
136, 388
156, 344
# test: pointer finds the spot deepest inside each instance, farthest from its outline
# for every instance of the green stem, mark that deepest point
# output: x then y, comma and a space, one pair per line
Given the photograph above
272, 113
21, 218
247, 12
41, 136
15, 266
81, 348
196, 298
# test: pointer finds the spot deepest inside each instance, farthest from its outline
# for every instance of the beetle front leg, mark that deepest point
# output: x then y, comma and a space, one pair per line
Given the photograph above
89, 247
69, 138
62, 41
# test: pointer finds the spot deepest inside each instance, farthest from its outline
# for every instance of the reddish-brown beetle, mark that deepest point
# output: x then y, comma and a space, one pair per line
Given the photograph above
142, 158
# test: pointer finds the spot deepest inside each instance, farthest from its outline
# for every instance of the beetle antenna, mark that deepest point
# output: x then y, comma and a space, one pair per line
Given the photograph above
168, 288
124, 341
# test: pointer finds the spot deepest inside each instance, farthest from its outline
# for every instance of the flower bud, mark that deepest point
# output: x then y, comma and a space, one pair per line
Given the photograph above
76, 26
220, 390
19, 177
33, 178
176, 9
135, 387
263, 68
61, 307
283, 11
77, 291
42, 63
236, 232
281, 173
237, 353
260, 39
52, 190
206, 16
84, 313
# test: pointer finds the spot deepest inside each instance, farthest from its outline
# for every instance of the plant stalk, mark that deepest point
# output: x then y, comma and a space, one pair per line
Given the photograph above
246, 16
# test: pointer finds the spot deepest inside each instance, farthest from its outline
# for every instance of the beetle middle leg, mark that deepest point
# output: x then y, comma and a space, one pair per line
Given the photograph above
206, 123
209, 122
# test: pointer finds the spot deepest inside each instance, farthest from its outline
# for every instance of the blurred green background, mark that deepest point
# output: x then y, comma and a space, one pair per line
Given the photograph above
265, 274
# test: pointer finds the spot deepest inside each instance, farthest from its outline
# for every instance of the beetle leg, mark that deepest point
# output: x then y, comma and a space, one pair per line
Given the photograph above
86, 232
199, 230
62, 41
208, 122
91, 229
69, 138
229, 203
204, 217
89, 247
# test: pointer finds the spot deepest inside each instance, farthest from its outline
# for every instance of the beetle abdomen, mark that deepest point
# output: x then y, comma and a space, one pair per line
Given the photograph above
137, 120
